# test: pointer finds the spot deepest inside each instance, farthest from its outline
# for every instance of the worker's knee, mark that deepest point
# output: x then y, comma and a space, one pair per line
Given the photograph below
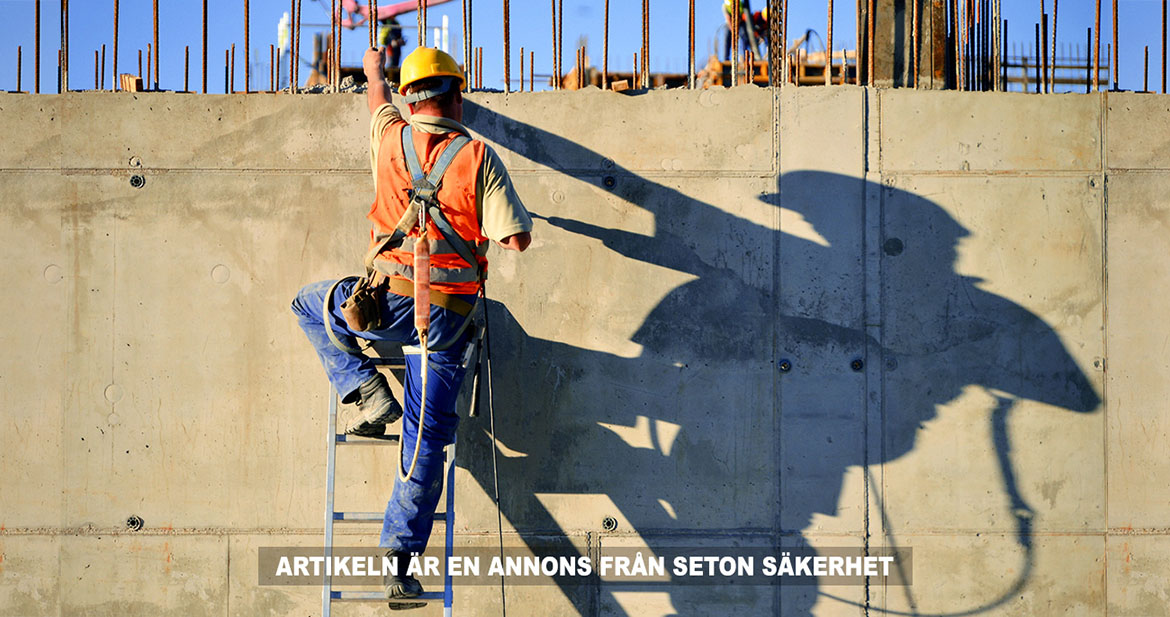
309, 300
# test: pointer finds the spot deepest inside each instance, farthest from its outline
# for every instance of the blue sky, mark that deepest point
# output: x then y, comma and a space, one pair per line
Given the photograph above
91, 25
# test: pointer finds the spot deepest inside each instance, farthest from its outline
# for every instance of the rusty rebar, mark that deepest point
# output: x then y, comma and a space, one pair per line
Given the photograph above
556, 68
18, 60
829, 46
292, 15
521, 69
103, 86
156, 50
774, 50
227, 61
37, 42
1097, 48
271, 68
337, 50
297, 51
560, 39
95, 69
139, 64
690, 43
605, 44
149, 57
466, 62
1089, 60
372, 19
869, 38
915, 18
233, 69
247, 47
63, 57
1163, 46
646, 40
734, 51
204, 46
186, 68
479, 67
508, 50
1116, 58
531, 71
422, 23
636, 76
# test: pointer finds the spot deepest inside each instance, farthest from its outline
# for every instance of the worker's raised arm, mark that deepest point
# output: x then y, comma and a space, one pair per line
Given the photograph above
377, 90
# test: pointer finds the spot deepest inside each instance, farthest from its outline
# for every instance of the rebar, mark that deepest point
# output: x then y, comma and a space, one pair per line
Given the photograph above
205, 46
466, 51
1146, 72
292, 33
139, 64
690, 44
95, 69
734, 52
63, 52
605, 44
646, 41
775, 51
1163, 46
37, 43
247, 48
829, 46
560, 40
531, 71
1052, 78
149, 51
521, 69
233, 69
103, 85
1097, 48
1116, 58
271, 68
916, 47
186, 68
18, 59
297, 49
156, 49
637, 76
556, 67
227, 60
422, 23
869, 38
1039, 46
1089, 61
1044, 51
508, 51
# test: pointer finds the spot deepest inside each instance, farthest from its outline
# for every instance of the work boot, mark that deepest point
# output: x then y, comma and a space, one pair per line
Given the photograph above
375, 408
401, 587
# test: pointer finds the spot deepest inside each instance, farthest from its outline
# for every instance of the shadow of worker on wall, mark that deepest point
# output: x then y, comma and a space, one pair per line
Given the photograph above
682, 439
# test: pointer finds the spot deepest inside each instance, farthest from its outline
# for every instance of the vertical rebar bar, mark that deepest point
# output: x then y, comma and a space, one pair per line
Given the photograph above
531, 71
605, 43
186, 68
466, 51
916, 46
690, 44
227, 61
1097, 48
508, 50
139, 64
233, 69
331, 52
734, 52
560, 39
869, 38
646, 41
149, 57
1039, 46
556, 69
37, 42
1044, 51
95, 68
103, 87
63, 52
297, 48
156, 49
205, 46
18, 59
636, 76
479, 66
1163, 46
1052, 78
292, 16
829, 46
774, 50
784, 38
247, 47
1116, 58
1146, 72
337, 47
271, 68
522, 69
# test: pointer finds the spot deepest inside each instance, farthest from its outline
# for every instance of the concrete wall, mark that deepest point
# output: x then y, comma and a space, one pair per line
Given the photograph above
964, 288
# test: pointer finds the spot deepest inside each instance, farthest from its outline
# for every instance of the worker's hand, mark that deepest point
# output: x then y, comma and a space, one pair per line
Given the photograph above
372, 63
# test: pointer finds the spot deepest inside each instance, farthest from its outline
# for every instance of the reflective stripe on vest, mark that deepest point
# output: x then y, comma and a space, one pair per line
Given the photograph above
438, 275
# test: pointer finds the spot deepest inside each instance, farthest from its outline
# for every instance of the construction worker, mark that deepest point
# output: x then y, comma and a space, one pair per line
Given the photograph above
390, 37
747, 40
477, 203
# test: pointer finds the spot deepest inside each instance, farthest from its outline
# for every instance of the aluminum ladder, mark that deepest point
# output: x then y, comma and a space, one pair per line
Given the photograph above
328, 594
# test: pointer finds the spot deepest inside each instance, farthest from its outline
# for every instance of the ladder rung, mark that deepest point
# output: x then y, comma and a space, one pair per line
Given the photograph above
378, 596
355, 440
365, 517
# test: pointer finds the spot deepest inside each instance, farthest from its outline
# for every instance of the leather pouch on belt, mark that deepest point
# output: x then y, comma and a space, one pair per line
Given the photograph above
362, 309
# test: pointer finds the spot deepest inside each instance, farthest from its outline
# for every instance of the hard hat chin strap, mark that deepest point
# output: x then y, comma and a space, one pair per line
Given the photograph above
422, 95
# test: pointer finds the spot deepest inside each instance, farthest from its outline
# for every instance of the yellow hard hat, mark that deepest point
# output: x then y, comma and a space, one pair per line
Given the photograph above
426, 62
764, 13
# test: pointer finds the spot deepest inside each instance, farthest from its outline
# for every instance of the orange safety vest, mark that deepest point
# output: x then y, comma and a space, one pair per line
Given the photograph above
450, 274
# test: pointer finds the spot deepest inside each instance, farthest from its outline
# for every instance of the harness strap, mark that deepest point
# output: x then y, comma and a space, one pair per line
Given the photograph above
425, 189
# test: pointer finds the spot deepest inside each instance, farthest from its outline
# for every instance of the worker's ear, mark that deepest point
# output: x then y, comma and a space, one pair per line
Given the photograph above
459, 96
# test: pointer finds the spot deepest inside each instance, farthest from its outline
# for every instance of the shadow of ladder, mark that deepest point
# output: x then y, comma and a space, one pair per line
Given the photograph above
335, 439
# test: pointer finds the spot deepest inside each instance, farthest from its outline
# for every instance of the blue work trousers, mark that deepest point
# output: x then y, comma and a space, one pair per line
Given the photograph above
410, 511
